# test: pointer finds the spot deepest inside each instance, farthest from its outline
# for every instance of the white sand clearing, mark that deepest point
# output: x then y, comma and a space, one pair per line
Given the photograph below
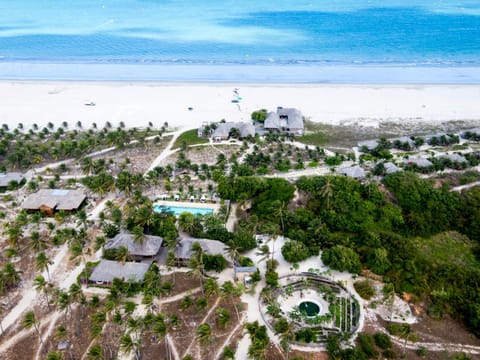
137, 104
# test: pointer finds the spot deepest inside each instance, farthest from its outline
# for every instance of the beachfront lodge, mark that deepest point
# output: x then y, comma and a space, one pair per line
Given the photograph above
9, 178
51, 200
183, 251
355, 172
107, 270
285, 120
145, 251
223, 131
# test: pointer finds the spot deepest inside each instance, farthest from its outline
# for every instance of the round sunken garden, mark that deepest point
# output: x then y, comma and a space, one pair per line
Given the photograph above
313, 305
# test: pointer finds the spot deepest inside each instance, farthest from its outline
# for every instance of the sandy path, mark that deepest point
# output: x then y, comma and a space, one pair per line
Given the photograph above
214, 306
227, 340
27, 332
172, 346
29, 294
467, 186
46, 334
167, 151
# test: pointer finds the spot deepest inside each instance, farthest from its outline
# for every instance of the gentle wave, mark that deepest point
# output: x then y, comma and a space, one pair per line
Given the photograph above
271, 73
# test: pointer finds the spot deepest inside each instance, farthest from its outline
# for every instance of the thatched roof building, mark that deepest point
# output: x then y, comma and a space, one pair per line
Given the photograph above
6, 178
107, 270
149, 247
50, 200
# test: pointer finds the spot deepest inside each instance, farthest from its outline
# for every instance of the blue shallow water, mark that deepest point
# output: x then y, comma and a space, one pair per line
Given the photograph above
229, 34
177, 210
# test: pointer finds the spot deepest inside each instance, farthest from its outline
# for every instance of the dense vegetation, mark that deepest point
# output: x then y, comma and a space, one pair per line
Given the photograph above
423, 239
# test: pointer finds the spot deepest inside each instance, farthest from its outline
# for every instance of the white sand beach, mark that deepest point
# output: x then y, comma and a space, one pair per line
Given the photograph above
138, 103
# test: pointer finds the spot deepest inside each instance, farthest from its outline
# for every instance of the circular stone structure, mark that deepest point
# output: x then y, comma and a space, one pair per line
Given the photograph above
310, 307
314, 305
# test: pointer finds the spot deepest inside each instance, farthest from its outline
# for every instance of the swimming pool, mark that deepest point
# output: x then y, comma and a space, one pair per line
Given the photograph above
177, 210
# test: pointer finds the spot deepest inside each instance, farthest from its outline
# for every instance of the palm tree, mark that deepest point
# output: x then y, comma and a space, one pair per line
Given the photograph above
42, 262
36, 242
327, 191
76, 295
14, 233
196, 270
88, 165
186, 221
81, 216
64, 302
228, 289
135, 325
204, 334
196, 263
129, 345
138, 235
41, 284
144, 215
223, 317
279, 212
29, 321
95, 353
54, 355
287, 334
406, 332
388, 292
10, 275
210, 287
263, 252
233, 252
121, 254
160, 330
259, 338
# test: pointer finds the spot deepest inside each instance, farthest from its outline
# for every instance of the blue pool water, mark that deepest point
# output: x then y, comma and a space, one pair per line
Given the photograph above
177, 210
148, 36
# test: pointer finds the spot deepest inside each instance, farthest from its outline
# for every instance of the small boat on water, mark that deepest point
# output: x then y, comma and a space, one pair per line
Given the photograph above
91, 103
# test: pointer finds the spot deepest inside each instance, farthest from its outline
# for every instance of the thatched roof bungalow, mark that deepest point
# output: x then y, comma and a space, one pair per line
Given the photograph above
7, 178
147, 249
107, 270
51, 200
183, 251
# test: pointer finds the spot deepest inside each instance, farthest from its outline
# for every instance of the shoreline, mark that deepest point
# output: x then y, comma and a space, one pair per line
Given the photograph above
403, 74
181, 83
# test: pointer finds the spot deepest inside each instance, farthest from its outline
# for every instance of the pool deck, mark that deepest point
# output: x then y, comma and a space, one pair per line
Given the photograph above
188, 204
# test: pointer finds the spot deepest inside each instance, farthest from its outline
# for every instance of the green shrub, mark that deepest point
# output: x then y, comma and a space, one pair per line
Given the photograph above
389, 354
305, 335
228, 353
364, 289
259, 115
245, 261
422, 351
367, 344
382, 340
394, 328
294, 251
341, 258
271, 278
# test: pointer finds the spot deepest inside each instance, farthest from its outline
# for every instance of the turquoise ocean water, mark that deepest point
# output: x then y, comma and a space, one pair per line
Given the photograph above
431, 41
